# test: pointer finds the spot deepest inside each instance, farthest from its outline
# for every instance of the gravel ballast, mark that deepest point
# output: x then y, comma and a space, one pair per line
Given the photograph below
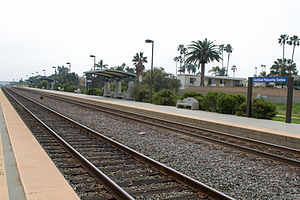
238, 174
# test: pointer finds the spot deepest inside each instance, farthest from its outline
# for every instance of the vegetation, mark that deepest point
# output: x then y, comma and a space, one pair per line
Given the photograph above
228, 49
200, 53
161, 81
165, 97
282, 41
138, 61
295, 41
263, 109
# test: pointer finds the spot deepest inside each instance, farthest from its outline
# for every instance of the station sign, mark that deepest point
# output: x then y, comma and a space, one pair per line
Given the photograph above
270, 79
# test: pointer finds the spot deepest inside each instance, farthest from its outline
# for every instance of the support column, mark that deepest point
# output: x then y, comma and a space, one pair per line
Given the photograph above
129, 91
249, 97
106, 92
289, 102
118, 89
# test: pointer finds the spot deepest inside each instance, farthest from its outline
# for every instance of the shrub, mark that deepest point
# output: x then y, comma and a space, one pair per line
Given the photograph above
141, 92
226, 103
263, 109
190, 94
210, 101
241, 111
95, 91
165, 97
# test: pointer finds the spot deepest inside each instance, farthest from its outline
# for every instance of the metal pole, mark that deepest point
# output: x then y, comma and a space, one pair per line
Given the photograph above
289, 102
151, 73
249, 97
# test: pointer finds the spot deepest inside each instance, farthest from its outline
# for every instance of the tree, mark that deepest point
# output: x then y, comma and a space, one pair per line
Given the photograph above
202, 52
190, 68
221, 49
233, 68
283, 67
101, 65
214, 70
282, 40
138, 62
295, 40
228, 49
120, 68
176, 59
182, 51
217, 71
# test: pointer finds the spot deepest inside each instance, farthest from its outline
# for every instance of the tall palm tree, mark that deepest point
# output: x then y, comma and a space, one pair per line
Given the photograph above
233, 68
221, 49
138, 61
295, 40
182, 50
202, 52
228, 49
176, 59
282, 40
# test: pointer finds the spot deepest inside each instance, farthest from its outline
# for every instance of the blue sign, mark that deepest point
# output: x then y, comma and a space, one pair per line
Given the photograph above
270, 79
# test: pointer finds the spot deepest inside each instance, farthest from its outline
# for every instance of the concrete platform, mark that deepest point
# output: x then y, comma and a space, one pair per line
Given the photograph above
264, 130
35, 176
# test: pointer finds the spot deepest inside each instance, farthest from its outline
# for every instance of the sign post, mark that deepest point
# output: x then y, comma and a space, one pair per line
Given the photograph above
289, 80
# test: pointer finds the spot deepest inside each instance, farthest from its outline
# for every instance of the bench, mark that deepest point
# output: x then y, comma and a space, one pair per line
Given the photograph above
189, 102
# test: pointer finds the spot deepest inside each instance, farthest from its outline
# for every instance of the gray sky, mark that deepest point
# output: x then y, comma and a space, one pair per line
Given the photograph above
39, 34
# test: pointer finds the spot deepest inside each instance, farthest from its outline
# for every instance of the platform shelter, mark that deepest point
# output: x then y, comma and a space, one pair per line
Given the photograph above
110, 76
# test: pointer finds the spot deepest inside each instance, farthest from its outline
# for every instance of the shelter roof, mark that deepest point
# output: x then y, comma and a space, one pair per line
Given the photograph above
110, 73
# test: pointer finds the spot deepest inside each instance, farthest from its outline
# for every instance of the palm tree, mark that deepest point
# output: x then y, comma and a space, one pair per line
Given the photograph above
283, 67
282, 40
100, 64
228, 49
215, 70
138, 61
221, 49
176, 59
190, 68
182, 51
202, 52
295, 40
233, 68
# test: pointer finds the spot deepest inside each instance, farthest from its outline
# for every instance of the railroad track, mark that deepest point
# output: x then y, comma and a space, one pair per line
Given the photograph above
125, 173
267, 150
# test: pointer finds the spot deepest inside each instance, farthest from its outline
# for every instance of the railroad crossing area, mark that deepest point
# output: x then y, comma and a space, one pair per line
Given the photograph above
26, 172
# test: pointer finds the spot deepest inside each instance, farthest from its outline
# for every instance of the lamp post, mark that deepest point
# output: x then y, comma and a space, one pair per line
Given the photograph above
69, 66
92, 56
151, 71
44, 72
54, 76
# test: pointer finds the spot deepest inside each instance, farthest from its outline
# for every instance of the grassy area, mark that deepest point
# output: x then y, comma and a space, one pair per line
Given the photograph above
281, 108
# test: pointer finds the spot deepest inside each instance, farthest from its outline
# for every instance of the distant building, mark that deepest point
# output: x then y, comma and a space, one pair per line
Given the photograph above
218, 81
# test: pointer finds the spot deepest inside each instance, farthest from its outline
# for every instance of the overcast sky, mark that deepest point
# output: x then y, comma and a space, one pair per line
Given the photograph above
39, 34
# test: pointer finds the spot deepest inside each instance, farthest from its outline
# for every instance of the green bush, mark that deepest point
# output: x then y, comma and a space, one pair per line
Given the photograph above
210, 101
141, 93
241, 111
190, 94
95, 91
229, 103
165, 97
263, 109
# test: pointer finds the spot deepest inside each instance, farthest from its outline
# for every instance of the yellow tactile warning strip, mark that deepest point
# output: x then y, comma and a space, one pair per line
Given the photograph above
191, 117
39, 176
3, 184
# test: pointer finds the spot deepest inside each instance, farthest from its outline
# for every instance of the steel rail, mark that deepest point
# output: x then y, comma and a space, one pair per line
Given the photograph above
195, 135
109, 184
193, 184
